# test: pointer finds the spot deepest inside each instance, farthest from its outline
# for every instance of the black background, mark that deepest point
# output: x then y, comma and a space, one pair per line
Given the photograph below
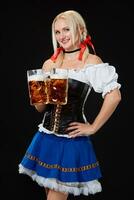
26, 43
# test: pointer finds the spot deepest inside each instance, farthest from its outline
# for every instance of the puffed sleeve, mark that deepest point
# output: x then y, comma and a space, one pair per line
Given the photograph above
102, 77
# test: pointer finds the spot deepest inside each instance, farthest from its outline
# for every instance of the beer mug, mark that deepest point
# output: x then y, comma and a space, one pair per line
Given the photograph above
58, 86
37, 86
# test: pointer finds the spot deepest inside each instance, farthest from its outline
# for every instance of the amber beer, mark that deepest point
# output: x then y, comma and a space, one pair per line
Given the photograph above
58, 87
37, 86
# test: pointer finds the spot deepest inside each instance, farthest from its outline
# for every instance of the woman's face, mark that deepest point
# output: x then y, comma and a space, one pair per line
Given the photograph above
64, 36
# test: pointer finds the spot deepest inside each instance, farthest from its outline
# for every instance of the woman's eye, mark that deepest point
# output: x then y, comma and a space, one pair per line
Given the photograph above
57, 32
67, 29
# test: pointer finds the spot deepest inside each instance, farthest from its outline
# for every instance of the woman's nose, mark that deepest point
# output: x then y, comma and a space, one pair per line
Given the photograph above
62, 35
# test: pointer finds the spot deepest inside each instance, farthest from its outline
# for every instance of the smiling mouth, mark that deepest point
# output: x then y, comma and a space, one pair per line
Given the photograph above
64, 42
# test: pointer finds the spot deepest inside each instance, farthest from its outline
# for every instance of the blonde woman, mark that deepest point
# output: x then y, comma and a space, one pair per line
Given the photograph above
63, 161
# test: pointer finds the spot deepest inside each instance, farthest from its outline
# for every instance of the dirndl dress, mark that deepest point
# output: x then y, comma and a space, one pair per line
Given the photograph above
56, 161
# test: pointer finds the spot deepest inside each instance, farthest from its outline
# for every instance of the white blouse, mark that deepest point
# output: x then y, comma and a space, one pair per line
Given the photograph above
102, 77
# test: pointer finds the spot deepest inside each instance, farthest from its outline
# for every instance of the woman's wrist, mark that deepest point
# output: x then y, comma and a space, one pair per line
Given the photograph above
92, 129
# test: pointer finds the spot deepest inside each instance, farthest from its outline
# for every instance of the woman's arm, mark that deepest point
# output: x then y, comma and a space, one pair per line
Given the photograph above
111, 101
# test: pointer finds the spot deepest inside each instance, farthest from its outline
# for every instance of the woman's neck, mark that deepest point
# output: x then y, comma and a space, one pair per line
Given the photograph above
72, 54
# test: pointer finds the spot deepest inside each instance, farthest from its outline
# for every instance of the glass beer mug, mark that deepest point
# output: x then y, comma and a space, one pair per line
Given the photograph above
37, 86
58, 86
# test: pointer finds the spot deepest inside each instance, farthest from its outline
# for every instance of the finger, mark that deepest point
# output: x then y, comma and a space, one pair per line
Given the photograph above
71, 128
74, 132
75, 135
73, 124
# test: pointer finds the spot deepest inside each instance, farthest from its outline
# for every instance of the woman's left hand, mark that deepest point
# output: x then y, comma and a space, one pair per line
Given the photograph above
76, 129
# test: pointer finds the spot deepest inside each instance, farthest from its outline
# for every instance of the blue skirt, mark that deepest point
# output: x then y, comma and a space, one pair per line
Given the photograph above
63, 164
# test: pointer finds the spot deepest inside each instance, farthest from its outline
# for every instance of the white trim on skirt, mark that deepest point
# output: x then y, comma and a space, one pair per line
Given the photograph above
75, 188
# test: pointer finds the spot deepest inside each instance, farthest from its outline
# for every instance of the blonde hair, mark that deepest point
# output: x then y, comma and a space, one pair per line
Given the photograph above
77, 27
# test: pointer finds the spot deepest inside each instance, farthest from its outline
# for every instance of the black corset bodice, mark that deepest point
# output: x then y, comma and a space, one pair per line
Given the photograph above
57, 118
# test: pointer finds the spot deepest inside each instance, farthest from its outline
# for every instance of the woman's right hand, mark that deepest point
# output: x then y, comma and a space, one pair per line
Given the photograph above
40, 107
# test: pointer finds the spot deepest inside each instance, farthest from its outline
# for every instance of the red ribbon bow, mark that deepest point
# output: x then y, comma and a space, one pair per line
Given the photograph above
83, 45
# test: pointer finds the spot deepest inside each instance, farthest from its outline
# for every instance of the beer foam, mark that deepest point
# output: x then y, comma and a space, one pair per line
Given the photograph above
56, 76
36, 78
